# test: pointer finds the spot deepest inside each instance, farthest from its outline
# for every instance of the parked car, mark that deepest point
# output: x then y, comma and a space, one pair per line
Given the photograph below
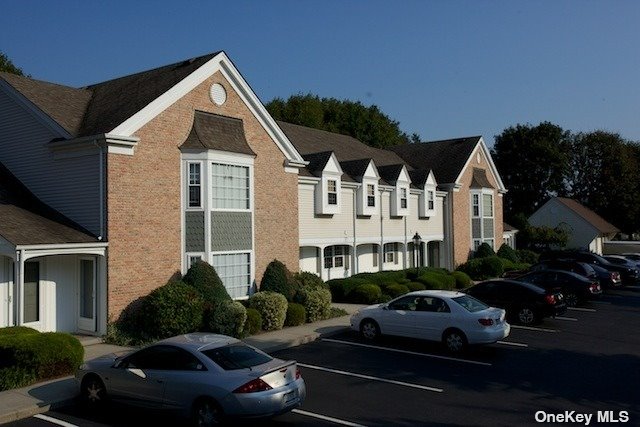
454, 318
576, 289
525, 303
608, 279
628, 274
622, 260
581, 268
205, 377
635, 256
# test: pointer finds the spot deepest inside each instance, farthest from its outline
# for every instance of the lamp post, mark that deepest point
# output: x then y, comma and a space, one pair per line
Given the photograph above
417, 240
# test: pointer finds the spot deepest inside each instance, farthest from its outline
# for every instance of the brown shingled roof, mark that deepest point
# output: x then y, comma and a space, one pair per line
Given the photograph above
212, 131
25, 220
446, 158
588, 215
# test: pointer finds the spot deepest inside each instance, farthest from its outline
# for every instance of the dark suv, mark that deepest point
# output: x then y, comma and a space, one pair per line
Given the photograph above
607, 279
628, 275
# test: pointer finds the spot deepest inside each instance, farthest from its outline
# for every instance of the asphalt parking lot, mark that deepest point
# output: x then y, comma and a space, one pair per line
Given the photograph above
585, 361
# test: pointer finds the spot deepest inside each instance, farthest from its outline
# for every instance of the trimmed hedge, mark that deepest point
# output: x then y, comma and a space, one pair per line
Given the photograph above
382, 277
296, 315
172, 309
462, 279
27, 357
415, 286
484, 251
253, 325
341, 288
437, 280
272, 307
278, 278
316, 302
525, 255
483, 268
204, 278
366, 293
395, 289
17, 330
507, 252
229, 318
309, 280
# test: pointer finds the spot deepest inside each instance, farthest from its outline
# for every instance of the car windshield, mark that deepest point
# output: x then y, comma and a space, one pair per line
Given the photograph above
236, 356
470, 303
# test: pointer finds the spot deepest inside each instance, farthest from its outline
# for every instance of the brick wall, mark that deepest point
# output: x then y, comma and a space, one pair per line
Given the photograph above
462, 210
144, 229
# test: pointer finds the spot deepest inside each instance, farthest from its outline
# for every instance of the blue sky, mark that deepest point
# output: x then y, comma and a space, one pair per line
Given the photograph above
442, 69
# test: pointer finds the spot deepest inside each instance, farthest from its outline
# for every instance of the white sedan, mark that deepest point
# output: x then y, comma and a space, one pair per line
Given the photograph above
454, 318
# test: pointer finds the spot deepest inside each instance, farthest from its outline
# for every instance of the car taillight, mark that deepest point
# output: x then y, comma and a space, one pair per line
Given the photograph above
486, 322
298, 374
595, 287
615, 276
253, 386
550, 299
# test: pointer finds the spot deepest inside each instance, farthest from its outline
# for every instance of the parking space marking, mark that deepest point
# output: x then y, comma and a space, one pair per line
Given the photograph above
591, 310
326, 418
600, 302
54, 420
531, 328
571, 319
633, 287
514, 344
369, 377
415, 353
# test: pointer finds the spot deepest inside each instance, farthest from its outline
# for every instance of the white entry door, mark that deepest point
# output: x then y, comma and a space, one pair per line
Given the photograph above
87, 295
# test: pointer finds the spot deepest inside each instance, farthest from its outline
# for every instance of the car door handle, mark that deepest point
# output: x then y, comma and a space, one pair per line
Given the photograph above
159, 380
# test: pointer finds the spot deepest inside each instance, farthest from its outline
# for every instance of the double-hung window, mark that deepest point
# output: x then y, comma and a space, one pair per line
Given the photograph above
430, 200
195, 185
235, 272
231, 187
390, 253
371, 195
482, 229
335, 256
403, 198
332, 192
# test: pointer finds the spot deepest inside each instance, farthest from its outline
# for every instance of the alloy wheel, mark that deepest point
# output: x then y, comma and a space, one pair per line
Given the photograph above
207, 414
455, 342
571, 299
369, 330
526, 316
94, 392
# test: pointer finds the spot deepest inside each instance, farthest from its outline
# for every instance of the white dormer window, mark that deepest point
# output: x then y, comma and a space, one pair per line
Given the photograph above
371, 195
368, 199
328, 193
332, 192
427, 199
403, 198
400, 195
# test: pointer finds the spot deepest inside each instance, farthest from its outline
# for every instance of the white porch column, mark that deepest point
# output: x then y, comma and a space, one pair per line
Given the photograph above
102, 307
18, 283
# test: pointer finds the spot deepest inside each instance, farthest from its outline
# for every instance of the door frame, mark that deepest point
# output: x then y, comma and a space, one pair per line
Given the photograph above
85, 323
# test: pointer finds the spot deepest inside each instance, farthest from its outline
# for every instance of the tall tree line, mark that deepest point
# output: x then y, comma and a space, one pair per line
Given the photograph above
599, 169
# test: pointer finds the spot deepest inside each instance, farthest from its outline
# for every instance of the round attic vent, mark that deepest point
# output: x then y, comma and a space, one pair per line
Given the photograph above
218, 94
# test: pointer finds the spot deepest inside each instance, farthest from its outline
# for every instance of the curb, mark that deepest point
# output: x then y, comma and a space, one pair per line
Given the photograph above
305, 339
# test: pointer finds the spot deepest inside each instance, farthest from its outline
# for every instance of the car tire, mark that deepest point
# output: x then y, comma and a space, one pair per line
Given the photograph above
369, 330
206, 412
571, 299
454, 341
93, 392
526, 315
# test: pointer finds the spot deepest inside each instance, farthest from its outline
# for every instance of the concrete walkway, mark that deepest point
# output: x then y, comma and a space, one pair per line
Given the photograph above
41, 397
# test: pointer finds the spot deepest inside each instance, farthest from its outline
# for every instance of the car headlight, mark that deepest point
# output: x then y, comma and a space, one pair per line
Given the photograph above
83, 367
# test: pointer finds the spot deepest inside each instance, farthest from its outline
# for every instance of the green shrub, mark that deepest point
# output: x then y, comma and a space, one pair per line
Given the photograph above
437, 280
382, 277
415, 286
367, 293
296, 315
26, 357
340, 288
462, 279
507, 252
385, 298
253, 325
309, 280
484, 251
229, 318
527, 256
395, 289
278, 278
272, 307
173, 309
17, 330
204, 278
404, 281
483, 268
316, 302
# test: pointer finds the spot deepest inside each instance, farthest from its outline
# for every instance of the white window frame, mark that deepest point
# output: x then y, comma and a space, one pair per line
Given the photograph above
334, 183
190, 255
431, 202
390, 256
330, 254
189, 185
477, 212
251, 269
371, 195
249, 183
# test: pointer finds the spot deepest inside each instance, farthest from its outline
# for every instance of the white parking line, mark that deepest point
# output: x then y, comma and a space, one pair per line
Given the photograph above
531, 328
368, 377
633, 287
514, 344
325, 418
601, 302
571, 319
581, 309
54, 420
415, 353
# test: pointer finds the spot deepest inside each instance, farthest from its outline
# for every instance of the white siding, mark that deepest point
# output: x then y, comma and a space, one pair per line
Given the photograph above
309, 260
337, 227
59, 281
5, 283
393, 228
70, 186
429, 228
365, 259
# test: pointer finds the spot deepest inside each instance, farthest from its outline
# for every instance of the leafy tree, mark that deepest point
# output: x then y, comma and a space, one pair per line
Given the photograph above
7, 66
532, 161
539, 238
603, 175
368, 124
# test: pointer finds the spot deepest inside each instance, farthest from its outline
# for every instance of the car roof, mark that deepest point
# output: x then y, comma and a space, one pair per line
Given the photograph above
199, 341
436, 293
529, 286
551, 270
